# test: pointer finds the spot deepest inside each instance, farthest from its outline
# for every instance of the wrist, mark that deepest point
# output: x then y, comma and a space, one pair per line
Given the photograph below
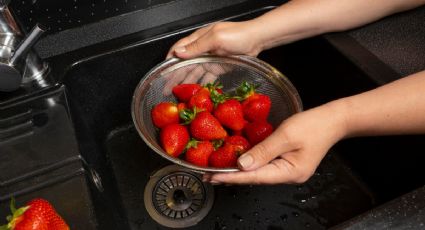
338, 113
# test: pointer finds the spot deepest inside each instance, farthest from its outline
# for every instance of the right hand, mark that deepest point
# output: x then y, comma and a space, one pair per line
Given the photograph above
223, 38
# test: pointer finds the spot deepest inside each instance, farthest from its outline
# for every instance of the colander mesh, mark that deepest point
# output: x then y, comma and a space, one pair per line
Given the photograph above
230, 72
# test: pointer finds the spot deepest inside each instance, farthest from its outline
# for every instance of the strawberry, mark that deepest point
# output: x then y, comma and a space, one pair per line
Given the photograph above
206, 127
239, 143
257, 131
256, 106
174, 139
39, 214
165, 113
230, 114
201, 100
224, 157
184, 92
181, 106
198, 152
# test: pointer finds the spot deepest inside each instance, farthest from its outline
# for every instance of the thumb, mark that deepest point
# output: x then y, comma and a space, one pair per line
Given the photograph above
264, 152
195, 48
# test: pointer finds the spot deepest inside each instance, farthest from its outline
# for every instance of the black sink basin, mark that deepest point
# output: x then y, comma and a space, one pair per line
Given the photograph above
357, 174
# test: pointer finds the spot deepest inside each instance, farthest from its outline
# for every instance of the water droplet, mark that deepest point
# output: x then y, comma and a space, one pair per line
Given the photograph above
47, 9
255, 213
303, 200
284, 217
116, 9
75, 7
60, 10
296, 214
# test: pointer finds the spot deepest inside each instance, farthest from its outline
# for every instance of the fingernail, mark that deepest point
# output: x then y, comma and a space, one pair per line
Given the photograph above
245, 161
180, 49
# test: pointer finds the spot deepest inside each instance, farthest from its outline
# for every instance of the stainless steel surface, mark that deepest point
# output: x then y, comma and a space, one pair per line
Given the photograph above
231, 71
18, 63
176, 197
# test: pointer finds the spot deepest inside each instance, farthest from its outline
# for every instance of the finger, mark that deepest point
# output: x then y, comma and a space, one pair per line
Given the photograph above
208, 78
278, 171
265, 151
194, 75
201, 45
187, 40
174, 78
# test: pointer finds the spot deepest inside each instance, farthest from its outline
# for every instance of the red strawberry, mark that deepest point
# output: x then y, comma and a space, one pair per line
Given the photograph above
224, 157
181, 107
257, 107
174, 139
165, 113
257, 131
39, 214
199, 152
239, 143
206, 127
230, 114
184, 92
201, 100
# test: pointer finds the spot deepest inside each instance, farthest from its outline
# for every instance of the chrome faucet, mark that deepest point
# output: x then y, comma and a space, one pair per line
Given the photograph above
19, 64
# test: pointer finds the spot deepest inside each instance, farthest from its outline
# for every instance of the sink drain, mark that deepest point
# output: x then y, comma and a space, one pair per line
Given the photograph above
176, 197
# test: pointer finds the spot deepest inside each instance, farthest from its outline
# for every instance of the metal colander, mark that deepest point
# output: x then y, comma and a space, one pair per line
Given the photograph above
156, 85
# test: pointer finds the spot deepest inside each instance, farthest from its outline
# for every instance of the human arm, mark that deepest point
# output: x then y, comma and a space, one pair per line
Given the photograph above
292, 153
290, 22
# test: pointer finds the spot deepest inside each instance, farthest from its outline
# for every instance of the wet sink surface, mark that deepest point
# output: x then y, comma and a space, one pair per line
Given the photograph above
353, 177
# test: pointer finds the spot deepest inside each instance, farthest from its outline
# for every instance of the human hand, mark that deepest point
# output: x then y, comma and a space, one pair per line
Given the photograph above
292, 152
223, 38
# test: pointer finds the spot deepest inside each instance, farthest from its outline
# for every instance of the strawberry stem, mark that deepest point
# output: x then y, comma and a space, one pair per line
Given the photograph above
246, 89
16, 213
187, 115
217, 144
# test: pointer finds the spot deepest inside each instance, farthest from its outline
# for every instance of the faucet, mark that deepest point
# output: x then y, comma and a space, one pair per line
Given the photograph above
19, 64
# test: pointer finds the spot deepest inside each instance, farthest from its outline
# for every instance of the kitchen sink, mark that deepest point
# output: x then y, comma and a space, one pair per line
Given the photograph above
357, 174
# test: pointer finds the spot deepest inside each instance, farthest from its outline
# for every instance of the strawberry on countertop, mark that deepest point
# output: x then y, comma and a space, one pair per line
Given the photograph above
39, 214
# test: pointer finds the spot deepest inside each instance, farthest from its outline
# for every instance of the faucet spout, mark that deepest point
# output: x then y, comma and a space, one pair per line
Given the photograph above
25, 46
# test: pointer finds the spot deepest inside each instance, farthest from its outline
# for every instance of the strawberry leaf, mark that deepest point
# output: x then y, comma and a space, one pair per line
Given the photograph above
13, 205
193, 143
246, 89
188, 115
217, 144
4, 227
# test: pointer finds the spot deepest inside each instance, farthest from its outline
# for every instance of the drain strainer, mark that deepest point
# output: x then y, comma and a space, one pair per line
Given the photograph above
176, 197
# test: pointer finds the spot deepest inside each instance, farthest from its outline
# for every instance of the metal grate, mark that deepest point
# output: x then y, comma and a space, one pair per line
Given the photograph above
179, 195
